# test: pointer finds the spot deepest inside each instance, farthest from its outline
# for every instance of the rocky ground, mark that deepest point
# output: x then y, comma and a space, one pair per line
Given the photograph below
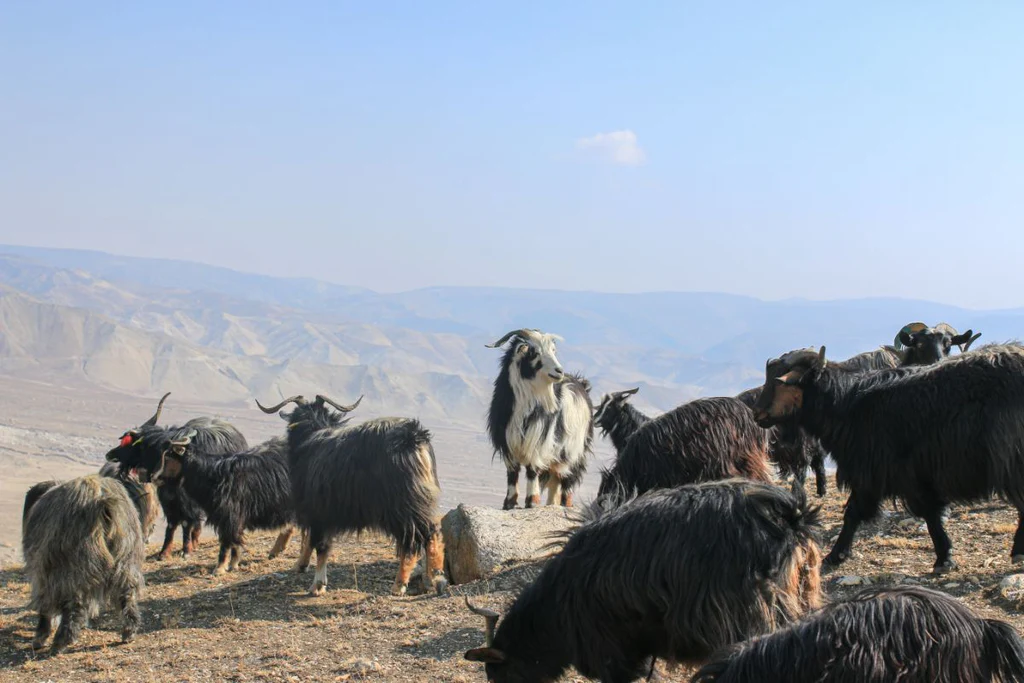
260, 625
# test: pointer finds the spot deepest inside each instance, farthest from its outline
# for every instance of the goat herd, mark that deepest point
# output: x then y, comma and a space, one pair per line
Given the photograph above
689, 553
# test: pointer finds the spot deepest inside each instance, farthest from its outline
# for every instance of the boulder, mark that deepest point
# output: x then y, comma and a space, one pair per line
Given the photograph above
480, 541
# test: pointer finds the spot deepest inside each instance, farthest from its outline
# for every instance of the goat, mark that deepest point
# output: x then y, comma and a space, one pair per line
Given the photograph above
540, 418
618, 418
924, 345
923, 435
238, 493
82, 542
213, 437
703, 440
381, 474
792, 449
908, 634
673, 574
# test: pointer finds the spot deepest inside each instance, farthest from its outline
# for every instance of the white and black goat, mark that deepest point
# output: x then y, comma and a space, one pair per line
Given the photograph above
540, 418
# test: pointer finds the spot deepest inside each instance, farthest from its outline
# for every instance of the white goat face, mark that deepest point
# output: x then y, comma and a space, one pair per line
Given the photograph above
536, 360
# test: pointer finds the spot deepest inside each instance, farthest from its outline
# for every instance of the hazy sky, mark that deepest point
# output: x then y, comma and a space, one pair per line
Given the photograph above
775, 149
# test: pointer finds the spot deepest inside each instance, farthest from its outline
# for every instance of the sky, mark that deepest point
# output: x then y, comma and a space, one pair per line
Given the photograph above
799, 149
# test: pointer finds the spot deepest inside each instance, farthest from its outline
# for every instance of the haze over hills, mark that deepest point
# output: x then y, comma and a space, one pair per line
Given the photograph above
143, 326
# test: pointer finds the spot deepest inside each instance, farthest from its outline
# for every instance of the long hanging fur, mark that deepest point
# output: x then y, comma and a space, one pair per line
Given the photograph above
238, 493
908, 634
379, 475
924, 435
213, 437
674, 574
83, 548
704, 440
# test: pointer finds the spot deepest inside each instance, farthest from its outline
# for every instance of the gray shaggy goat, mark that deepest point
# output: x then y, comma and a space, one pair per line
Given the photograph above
673, 574
617, 418
907, 634
83, 549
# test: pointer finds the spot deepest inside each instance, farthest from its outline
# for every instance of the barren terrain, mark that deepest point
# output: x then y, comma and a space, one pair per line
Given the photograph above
260, 625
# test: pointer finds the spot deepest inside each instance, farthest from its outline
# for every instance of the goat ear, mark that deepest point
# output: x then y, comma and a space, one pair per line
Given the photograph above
906, 338
178, 449
791, 378
521, 349
962, 339
487, 655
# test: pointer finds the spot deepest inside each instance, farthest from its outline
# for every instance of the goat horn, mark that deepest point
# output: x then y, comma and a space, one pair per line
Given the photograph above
490, 616
344, 409
970, 341
513, 333
298, 400
151, 422
629, 392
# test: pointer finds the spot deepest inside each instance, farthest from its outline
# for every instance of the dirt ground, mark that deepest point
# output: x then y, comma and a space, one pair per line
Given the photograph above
259, 624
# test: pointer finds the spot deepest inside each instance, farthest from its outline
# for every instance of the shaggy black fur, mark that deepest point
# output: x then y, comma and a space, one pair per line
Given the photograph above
213, 438
33, 495
379, 475
617, 418
792, 449
924, 435
676, 574
238, 493
905, 634
703, 440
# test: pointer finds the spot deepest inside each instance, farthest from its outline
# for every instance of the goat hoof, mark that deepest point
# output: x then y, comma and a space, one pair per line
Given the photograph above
301, 568
833, 559
399, 589
273, 556
318, 589
38, 644
509, 504
440, 585
127, 637
944, 567
219, 571
533, 502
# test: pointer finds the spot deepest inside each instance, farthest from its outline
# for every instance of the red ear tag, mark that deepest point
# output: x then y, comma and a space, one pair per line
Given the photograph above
126, 440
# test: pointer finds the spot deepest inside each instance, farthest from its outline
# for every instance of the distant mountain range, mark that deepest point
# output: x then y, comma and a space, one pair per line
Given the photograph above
144, 326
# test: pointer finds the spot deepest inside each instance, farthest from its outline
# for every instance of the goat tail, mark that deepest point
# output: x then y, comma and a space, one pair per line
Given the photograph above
1004, 650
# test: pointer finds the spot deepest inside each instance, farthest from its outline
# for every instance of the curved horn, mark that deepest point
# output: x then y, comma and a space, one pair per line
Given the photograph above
298, 400
344, 409
509, 335
909, 328
629, 392
490, 616
151, 422
967, 344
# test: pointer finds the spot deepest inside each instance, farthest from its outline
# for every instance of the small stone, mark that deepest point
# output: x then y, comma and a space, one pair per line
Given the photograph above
853, 581
908, 524
1012, 587
951, 584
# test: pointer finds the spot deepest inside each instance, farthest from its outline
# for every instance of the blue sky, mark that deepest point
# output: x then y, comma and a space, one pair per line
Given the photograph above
773, 149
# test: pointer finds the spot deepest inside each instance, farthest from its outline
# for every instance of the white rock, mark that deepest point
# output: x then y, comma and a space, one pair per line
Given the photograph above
853, 581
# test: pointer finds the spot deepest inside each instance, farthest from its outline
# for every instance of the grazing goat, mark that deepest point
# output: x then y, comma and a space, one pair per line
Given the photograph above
213, 437
82, 542
379, 475
675, 573
703, 440
618, 418
238, 493
792, 449
908, 634
540, 418
925, 435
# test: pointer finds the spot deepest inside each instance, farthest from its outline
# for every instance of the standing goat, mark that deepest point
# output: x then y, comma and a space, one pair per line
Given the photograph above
540, 418
83, 546
213, 437
908, 634
674, 574
617, 418
379, 475
704, 440
925, 435
238, 493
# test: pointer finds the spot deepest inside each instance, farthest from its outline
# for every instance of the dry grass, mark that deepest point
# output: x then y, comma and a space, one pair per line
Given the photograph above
260, 625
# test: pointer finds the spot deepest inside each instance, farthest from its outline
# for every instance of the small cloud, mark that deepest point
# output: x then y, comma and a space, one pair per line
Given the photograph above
618, 147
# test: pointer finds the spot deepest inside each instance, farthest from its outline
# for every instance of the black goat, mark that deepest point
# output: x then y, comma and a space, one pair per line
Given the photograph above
923, 345
675, 573
238, 493
540, 418
924, 435
618, 418
703, 440
380, 475
213, 437
792, 449
907, 634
